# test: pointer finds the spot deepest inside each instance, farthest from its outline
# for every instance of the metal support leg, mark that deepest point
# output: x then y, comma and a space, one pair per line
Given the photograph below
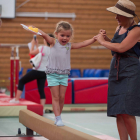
29, 131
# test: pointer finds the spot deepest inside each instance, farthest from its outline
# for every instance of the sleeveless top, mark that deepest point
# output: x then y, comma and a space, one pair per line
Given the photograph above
44, 61
116, 39
59, 59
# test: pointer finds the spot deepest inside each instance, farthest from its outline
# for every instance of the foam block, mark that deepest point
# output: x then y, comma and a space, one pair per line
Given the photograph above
87, 83
92, 95
32, 94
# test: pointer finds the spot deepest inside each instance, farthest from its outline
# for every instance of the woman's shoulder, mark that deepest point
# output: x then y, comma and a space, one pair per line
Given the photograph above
136, 27
134, 31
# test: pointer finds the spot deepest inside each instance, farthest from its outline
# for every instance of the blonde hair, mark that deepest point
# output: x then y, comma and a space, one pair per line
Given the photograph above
63, 25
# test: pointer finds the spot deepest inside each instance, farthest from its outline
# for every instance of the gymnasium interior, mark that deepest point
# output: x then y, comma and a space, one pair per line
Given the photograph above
85, 106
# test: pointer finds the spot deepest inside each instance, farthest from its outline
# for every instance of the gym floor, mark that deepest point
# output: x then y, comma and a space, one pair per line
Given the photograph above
93, 122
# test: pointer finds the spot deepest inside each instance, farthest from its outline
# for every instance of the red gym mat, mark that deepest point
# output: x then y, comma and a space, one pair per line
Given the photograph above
10, 109
23, 138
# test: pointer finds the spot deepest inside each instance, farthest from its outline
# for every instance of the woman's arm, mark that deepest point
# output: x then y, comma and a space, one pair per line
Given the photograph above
83, 44
32, 51
103, 32
132, 38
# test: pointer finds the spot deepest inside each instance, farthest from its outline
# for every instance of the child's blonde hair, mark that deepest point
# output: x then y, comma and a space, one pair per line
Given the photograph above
63, 25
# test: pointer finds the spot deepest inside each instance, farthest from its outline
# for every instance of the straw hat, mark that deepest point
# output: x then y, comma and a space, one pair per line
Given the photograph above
123, 7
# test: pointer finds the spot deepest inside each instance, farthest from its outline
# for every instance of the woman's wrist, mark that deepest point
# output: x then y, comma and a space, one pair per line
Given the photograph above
102, 42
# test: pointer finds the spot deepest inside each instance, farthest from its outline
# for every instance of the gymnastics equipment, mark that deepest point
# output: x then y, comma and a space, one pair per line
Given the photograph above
16, 69
46, 128
12, 88
79, 91
12, 73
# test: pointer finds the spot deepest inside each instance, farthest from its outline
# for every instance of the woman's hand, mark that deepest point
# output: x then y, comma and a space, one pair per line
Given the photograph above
103, 32
100, 38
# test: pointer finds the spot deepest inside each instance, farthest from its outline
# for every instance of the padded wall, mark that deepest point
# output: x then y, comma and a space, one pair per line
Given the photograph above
32, 94
90, 91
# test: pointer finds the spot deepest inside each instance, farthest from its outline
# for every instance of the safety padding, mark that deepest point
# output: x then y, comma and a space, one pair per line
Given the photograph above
32, 94
80, 84
46, 128
90, 91
22, 138
10, 109
33, 85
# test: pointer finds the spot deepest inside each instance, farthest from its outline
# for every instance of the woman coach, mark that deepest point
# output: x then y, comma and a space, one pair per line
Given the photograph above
124, 77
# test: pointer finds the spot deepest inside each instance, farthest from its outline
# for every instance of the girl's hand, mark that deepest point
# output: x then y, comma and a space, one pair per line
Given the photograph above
34, 42
95, 38
100, 38
40, 31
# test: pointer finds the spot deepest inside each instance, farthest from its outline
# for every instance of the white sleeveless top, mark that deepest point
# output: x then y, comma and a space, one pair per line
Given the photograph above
59, 59
46, 51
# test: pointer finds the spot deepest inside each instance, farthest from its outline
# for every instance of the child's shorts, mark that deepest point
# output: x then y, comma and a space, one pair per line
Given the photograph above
55, 79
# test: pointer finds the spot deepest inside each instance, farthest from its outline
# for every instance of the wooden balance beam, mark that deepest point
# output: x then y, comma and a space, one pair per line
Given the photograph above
46, 128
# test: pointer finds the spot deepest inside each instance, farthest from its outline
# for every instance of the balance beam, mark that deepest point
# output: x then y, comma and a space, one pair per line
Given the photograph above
46, 127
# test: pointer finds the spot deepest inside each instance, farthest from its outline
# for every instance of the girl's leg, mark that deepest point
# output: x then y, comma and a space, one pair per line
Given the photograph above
131, 126
42, 102
19, 92
30, 76
122, 128
55, 99
55, 103
41, 85
62, 92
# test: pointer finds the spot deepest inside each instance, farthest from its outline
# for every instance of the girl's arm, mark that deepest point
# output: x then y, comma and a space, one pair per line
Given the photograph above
132, 38
32, 51
83, 44
49, 39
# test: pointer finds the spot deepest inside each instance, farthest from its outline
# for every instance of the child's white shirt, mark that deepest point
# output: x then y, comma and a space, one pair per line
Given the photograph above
44, 62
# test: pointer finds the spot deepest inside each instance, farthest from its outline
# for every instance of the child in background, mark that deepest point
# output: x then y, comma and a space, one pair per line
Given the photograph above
38, 74
58, 67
